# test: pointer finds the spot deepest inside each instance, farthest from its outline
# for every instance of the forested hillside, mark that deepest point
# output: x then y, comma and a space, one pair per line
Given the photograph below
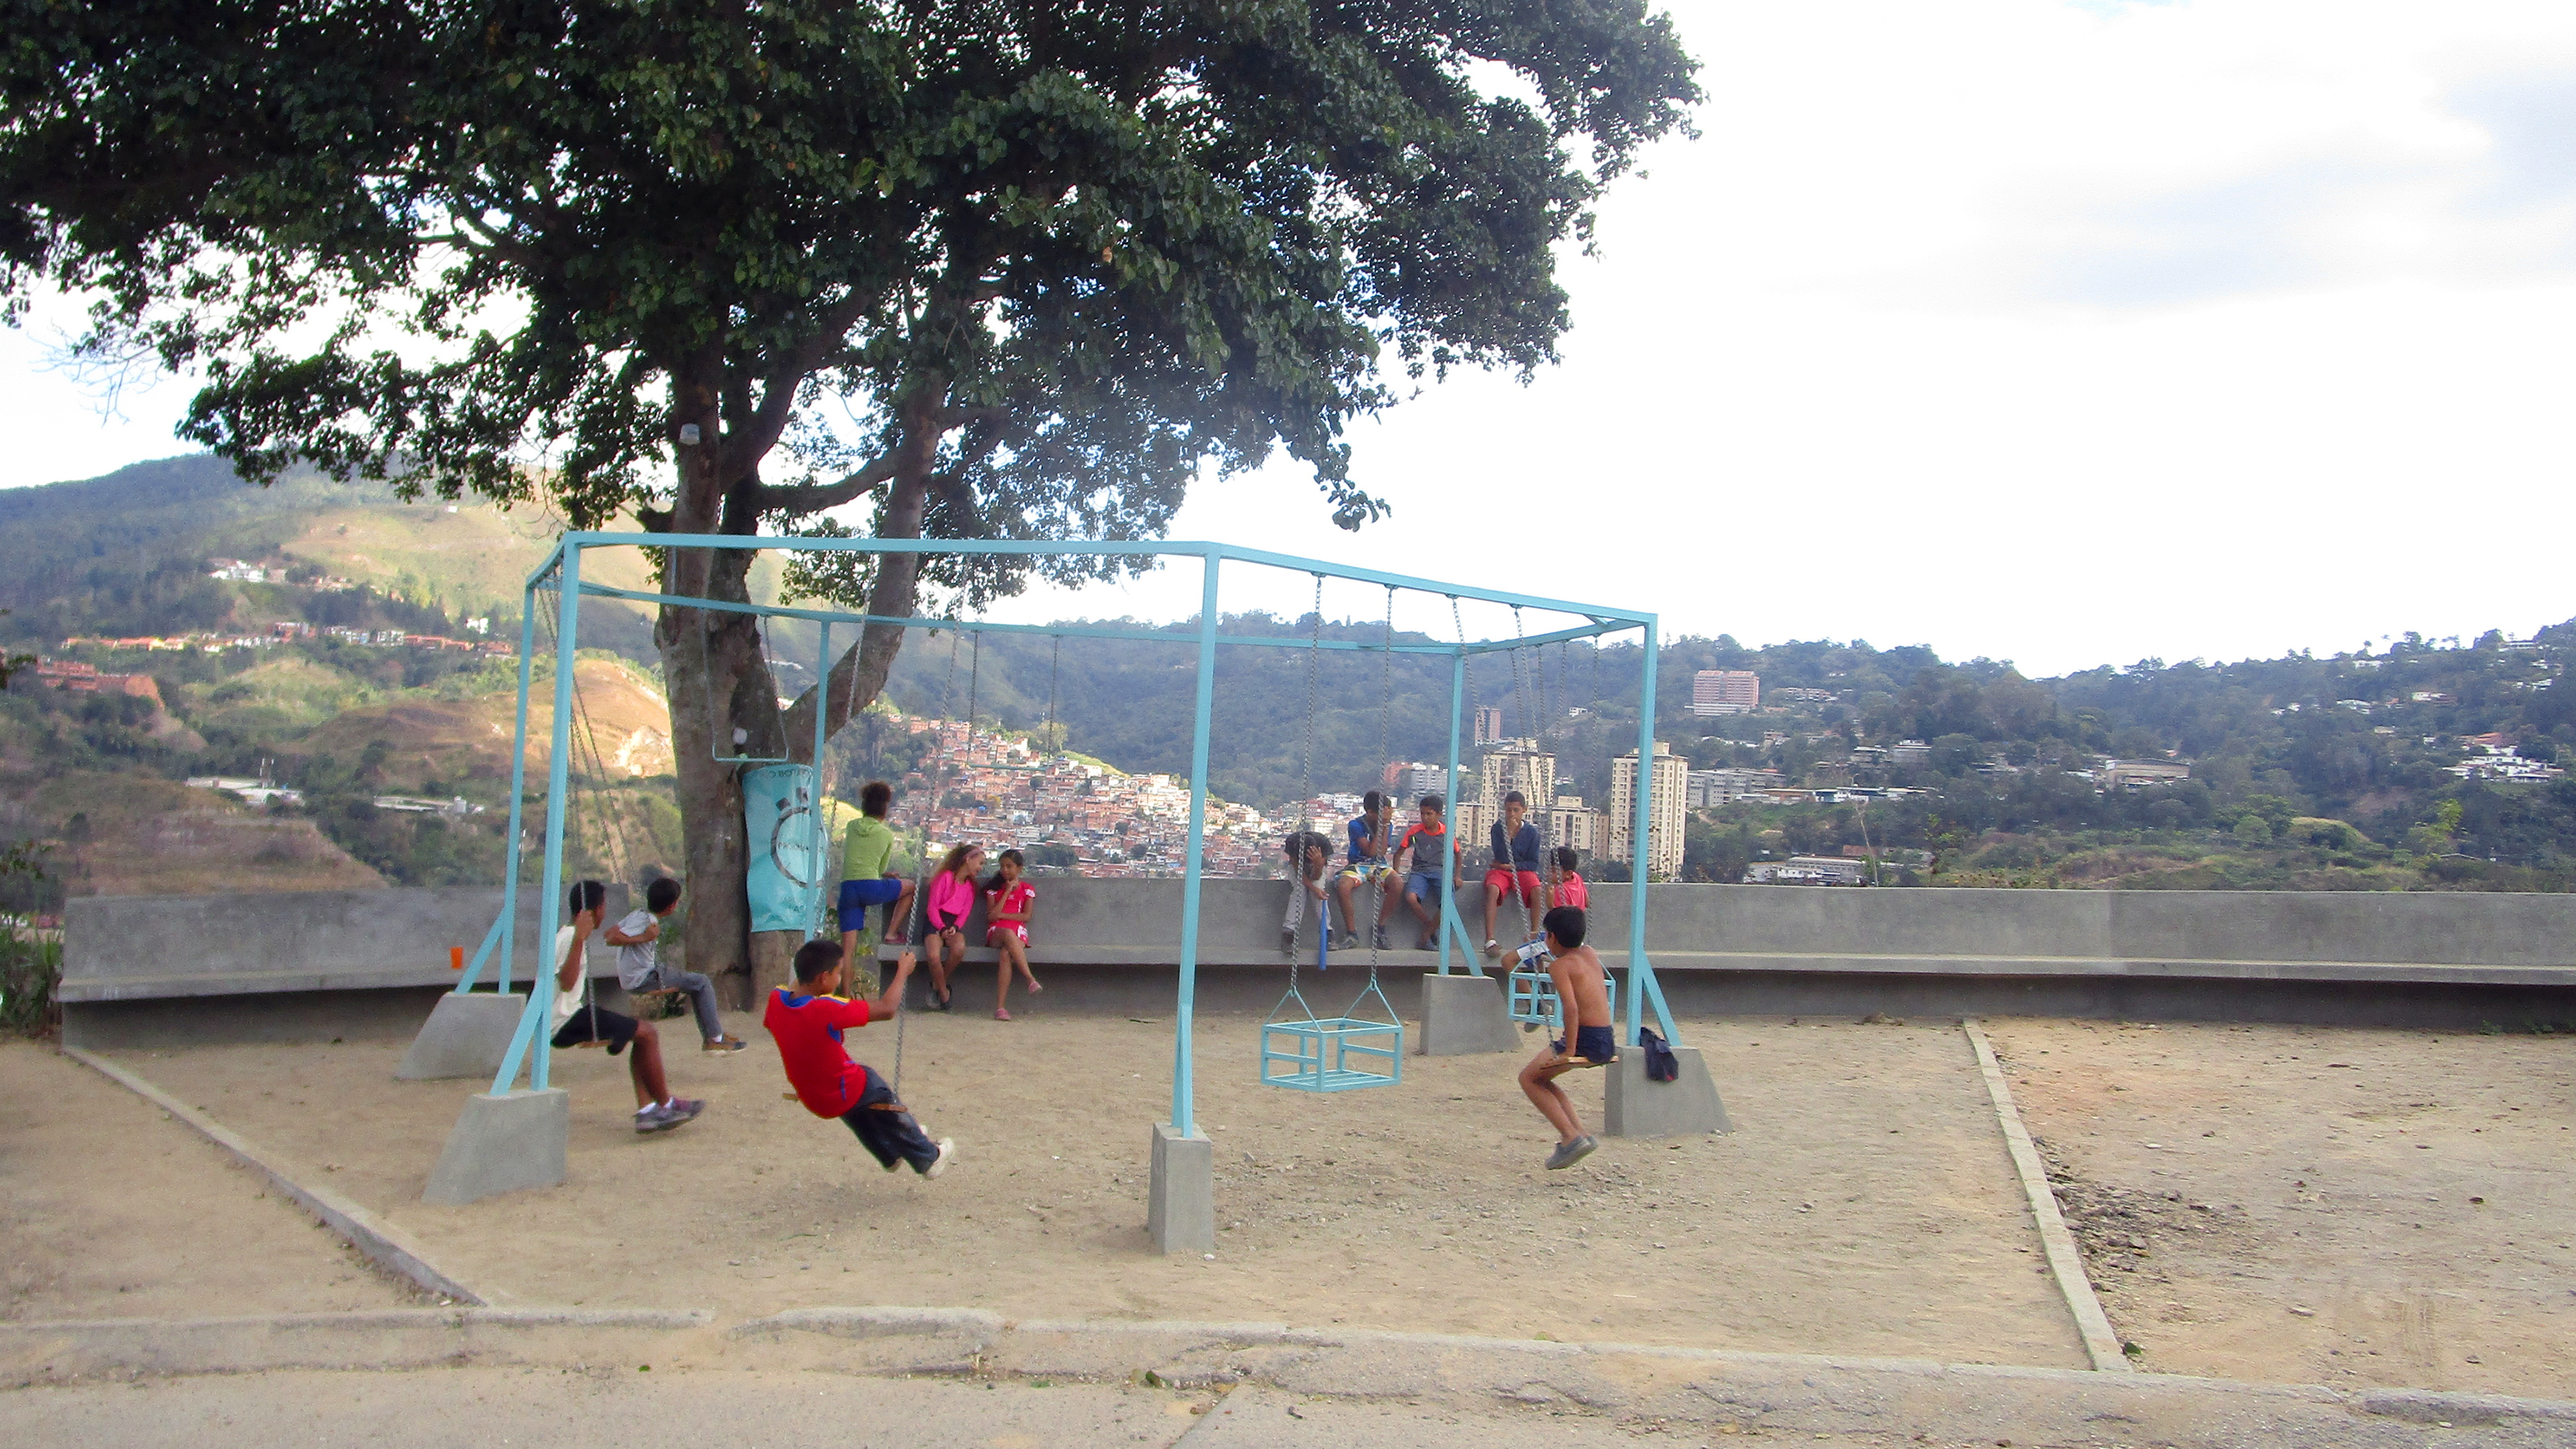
2304, 772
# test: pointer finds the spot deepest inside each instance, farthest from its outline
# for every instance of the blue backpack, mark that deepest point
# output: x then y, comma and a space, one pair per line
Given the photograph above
1661, 1064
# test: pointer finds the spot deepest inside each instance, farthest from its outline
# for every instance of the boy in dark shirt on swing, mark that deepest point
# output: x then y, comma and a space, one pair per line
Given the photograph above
1577, 973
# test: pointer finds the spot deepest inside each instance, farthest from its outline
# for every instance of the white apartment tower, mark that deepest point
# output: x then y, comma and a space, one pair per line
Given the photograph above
1666, 807
1725, 691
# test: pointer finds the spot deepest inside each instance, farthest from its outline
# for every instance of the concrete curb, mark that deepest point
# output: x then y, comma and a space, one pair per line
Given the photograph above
392, 1338
2065, 1263
1829, 1395
384, 1244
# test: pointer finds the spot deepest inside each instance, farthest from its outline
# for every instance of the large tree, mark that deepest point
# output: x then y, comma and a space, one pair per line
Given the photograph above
995, 269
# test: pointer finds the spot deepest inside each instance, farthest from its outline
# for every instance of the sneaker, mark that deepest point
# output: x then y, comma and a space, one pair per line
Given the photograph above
1350, 941
1569, 1153
1287, 944
1493, 948
1001, 1013
947, 1154
652, 1118
725, 1044
686, 1109
1377, 938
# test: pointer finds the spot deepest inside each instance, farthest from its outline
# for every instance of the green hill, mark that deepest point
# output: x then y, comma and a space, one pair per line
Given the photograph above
2347, 772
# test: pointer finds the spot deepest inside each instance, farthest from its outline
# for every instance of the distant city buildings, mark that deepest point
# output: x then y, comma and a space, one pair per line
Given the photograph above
1825, 870
1517, 765
1489, 723
1725, 691
1667, 806
1706, 788
2110, 774
82, 678
1410, 780
1804, 696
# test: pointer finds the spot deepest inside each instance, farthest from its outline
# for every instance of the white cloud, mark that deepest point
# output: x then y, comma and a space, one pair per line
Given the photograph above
2022, 329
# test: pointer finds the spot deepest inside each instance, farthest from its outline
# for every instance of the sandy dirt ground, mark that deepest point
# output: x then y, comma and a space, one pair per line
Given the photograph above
1865, 1204
108, 1209
2317, 1205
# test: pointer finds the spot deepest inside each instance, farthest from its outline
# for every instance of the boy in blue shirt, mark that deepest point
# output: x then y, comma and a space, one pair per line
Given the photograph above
1369, 833
1516, 855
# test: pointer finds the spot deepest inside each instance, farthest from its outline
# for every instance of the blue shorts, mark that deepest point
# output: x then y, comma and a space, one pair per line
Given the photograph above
1594, 1044
858, 895
1423, 884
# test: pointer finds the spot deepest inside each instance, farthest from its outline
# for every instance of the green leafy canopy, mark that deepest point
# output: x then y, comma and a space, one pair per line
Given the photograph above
1038, 263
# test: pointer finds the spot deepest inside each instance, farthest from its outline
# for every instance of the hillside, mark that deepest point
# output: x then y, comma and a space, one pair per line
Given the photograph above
2423, 765
129, 553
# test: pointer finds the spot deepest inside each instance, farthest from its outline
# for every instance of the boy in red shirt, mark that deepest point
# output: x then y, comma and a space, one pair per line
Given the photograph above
807, 1020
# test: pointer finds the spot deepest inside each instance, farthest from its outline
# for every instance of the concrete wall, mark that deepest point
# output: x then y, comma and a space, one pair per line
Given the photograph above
152, 971
121, 948
2432, 959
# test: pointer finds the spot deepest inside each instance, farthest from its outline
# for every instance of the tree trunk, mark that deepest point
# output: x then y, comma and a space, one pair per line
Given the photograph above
719, 680
720, 686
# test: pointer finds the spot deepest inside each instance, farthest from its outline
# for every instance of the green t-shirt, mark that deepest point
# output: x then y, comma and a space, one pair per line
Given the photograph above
866, 849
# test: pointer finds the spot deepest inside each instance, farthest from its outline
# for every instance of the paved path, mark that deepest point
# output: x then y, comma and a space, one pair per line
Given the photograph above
924, 1378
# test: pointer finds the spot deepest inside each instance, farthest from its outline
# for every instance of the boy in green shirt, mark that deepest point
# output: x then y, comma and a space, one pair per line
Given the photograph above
867, 852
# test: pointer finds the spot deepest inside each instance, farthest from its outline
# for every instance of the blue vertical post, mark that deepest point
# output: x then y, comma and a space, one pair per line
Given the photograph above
822, 735
1457, 811
1640, 824
558, 785
508, 926
558, 789
1183, 1109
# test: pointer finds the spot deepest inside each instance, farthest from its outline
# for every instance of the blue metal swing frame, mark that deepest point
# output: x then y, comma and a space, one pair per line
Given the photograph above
530, 1048
1531, 997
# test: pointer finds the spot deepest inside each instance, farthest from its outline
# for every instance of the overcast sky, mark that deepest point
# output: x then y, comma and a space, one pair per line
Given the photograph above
2061, 333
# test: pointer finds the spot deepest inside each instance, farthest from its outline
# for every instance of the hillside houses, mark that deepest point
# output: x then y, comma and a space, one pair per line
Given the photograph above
997, 791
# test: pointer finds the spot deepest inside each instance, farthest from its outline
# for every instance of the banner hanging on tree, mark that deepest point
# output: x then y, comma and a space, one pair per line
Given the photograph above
778, 821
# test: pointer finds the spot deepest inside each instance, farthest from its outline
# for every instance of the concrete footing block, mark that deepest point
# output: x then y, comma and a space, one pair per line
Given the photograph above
465, 1036
501, 1144
1180, 1211
1465, 1015
1640, 1107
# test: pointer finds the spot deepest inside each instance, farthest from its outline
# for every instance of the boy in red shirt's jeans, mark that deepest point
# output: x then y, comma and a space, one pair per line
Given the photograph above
807, 1020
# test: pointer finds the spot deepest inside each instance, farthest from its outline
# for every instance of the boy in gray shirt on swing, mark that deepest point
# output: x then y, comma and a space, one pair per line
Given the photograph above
638, 938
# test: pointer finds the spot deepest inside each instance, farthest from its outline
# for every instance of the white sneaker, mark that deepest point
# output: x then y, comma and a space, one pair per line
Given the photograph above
947, 1154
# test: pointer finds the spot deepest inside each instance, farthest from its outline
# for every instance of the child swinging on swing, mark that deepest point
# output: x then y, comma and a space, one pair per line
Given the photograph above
1577, 973
807, 1020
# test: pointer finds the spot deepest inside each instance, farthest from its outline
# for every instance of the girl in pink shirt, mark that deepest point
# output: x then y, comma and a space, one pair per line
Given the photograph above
1570, 890
1009, 901
949, 899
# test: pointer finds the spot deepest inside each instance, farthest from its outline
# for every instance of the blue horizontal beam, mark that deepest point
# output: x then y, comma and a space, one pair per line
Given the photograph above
1054, 548
1065, 631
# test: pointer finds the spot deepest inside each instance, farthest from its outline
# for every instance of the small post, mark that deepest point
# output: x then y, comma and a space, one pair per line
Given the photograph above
1457, 812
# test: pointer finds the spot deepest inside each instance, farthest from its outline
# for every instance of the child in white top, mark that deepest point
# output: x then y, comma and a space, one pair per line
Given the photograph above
576, 1020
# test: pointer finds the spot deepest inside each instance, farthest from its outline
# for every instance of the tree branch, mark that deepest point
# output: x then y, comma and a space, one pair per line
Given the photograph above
815, 497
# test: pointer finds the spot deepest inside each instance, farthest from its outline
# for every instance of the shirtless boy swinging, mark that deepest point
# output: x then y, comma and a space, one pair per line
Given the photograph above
1576, 970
